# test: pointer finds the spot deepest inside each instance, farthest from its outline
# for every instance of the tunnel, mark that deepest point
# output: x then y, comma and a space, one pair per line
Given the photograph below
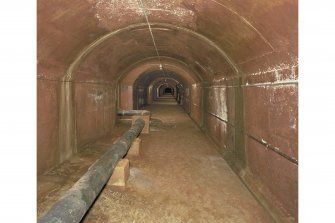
220, 80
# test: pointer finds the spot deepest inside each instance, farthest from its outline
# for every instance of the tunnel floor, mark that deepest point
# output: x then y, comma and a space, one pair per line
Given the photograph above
179, 177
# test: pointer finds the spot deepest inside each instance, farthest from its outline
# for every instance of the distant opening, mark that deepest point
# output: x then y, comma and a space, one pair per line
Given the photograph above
168, 90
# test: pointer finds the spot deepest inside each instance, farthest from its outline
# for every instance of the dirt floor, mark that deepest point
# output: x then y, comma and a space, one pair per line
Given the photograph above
179, 177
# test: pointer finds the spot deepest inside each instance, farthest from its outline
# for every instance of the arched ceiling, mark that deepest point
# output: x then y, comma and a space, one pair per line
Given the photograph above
151, 66
125, 48
162, 82
147, 79
214, 37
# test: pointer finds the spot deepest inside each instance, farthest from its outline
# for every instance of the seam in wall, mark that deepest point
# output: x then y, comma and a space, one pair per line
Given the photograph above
262, 142
247, 22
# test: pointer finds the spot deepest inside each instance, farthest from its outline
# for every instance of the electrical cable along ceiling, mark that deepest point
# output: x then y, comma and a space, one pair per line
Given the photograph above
153, 39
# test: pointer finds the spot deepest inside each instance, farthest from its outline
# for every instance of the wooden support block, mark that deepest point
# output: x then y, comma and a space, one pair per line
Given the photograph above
120, 174
135, 148
146, 118
117, 139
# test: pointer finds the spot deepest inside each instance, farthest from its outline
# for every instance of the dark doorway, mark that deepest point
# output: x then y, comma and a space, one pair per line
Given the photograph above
168, 91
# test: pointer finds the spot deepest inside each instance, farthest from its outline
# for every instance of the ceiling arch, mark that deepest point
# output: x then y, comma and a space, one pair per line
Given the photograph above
113, 53
243, 31
150, 68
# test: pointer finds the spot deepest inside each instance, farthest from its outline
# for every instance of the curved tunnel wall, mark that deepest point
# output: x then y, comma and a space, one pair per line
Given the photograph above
243, 61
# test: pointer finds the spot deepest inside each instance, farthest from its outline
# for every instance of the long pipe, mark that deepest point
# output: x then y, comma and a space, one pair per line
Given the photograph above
74, 204
132, 112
